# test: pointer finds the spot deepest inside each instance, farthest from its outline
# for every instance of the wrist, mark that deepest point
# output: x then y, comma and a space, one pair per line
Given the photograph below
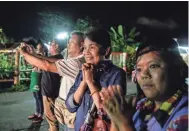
90, 82
24, 54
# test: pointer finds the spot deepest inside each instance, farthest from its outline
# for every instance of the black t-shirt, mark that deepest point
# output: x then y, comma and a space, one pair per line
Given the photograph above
50, 82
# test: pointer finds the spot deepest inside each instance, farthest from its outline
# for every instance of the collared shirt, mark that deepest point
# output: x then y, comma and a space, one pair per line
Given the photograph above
110, 75
178, 120
68, 69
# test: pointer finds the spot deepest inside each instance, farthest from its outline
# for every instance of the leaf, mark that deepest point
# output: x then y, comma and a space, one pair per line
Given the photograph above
120, 30
114, 32
131, 34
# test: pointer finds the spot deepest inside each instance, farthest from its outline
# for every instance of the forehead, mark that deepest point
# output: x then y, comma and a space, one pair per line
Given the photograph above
88, 42
149, 57
75, 37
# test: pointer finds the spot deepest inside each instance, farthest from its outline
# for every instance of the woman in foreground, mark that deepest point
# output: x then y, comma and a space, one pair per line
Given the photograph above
161, 74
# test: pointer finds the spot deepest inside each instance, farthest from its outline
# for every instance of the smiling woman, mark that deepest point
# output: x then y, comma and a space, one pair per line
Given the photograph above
97, 73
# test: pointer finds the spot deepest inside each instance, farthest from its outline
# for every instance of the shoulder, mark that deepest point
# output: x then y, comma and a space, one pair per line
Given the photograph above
116, 69
179, 117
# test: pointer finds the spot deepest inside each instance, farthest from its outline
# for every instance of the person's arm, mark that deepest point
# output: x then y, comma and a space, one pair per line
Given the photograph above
50, 59
71, 102
94, 93
88, 73
29, 55
40, 63
79, 93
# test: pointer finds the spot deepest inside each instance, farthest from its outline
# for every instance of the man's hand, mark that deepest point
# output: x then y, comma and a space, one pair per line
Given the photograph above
25, 48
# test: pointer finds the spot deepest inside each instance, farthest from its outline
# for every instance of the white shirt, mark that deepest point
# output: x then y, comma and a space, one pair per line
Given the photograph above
69, 70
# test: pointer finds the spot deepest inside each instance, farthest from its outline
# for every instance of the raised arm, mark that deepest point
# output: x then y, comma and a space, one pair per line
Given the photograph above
37, 62
40, 63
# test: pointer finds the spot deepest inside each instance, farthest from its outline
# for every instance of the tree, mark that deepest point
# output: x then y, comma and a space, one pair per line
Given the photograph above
4, 40
3, 37
85, 24
52, 23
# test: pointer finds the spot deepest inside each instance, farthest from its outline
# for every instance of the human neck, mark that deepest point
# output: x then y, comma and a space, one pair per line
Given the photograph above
158, 103
75, 55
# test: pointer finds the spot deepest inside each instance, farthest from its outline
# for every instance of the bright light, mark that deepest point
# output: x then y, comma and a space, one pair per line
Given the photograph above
47, 45
62, 35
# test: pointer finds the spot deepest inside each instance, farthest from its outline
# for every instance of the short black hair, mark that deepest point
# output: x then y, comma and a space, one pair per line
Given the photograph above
101, 37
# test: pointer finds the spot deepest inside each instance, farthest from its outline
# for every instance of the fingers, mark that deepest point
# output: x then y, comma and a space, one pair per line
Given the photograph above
103, 94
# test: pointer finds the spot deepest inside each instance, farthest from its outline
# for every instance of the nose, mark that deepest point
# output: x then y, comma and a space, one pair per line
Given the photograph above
86, 51
145, 74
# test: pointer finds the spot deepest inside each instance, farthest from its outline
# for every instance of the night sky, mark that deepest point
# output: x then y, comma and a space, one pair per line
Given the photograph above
20, 19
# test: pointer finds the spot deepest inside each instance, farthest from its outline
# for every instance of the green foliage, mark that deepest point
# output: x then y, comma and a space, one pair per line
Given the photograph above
25, 68
6, 65
85, 24
53, 23
18, 87
4, 39
130, 63
120, 42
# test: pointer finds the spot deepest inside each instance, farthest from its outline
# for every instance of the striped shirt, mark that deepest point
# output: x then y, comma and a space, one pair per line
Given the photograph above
68, 69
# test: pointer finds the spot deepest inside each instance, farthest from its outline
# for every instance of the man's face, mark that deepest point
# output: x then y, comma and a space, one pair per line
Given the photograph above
152, 75
53, 48
74, 45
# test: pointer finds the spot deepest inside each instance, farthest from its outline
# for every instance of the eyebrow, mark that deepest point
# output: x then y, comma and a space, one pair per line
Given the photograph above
158, 60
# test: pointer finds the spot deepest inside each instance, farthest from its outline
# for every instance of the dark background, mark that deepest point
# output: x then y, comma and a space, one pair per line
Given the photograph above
20, 19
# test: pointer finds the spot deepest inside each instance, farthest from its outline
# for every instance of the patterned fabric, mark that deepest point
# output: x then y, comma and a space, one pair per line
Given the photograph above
162, 114
171, 116
180, 124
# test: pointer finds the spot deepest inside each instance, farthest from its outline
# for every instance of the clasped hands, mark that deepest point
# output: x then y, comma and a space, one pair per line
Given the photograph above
88, 73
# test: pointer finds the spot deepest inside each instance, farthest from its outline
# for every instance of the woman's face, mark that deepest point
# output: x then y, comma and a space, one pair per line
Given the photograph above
152, 75
91, 52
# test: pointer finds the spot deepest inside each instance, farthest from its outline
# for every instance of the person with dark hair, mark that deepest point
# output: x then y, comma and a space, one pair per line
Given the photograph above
96, 73
161, 74
68, 69
35, 87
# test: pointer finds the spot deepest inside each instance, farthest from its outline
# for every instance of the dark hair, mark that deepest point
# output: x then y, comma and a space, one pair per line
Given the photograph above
101, 37
79, 33
168, 50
